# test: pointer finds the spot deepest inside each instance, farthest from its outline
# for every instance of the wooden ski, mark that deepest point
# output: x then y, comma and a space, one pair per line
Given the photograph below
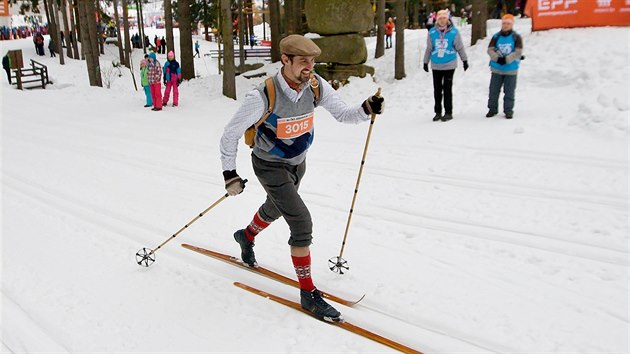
345, 325
266, 272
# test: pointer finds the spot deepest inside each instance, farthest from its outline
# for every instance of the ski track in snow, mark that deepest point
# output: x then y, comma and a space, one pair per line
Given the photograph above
470, 236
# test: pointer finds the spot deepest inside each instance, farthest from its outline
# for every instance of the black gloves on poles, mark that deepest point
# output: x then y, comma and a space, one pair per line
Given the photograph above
465, 65
426, 67
374, 105
501, 60
234, 184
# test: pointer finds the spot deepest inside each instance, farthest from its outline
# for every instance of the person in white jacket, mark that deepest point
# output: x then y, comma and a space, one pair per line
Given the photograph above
279, 155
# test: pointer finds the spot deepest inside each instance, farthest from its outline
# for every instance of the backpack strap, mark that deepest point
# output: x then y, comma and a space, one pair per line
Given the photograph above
314, 83
270, 89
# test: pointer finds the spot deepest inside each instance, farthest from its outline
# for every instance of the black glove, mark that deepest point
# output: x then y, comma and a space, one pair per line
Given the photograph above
179, 81
501, 60
426, 67
465, 65
234, 184
374, 104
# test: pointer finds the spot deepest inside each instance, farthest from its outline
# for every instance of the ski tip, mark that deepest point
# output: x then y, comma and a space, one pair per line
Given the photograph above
356, 302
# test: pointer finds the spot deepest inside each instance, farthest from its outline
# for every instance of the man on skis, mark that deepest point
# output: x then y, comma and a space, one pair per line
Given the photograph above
281, 142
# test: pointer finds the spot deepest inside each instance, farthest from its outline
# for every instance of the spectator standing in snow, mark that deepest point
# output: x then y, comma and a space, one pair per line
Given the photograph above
389, 30
281, 144
197, 49
6, 65
144, 80
51, 47
443, 44
155, 81
172, 79
505, 50
163, 45
38, 39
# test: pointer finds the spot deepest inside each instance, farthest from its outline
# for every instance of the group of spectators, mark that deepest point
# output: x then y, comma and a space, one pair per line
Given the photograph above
19, 32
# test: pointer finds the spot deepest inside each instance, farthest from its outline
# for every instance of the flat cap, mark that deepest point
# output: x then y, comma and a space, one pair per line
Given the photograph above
296, 44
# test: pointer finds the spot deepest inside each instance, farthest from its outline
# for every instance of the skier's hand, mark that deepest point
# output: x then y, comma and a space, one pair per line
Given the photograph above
465, 65
374, 104
234, 184
501, 60
425, 67
179, 81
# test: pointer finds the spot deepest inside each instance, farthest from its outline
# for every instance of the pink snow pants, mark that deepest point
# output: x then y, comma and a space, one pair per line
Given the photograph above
171, 84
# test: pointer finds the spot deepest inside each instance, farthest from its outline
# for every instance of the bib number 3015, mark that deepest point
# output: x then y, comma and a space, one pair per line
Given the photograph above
291, 128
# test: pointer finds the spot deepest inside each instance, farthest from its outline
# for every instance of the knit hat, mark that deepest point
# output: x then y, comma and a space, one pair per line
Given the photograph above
152, 55
143, 62
508, 18
171, 54
442, 14
296, 44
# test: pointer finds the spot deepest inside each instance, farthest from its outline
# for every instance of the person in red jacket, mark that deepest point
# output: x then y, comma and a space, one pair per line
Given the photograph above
389, 30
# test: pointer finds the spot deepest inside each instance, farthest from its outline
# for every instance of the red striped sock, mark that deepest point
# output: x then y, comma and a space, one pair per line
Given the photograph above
255, 227
303, 270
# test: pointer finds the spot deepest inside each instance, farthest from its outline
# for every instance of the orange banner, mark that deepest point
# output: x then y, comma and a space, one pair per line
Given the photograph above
548, 14
4, 7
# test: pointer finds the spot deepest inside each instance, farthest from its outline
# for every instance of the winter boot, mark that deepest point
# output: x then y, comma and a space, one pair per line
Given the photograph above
447, 117
491, 114
313, 302
437, 117
247, 248
509, 115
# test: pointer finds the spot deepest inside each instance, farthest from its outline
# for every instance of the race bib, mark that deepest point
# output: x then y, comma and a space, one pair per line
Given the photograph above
291, 128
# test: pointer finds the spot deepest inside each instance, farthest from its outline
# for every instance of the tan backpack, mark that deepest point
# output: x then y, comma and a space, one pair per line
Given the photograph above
250, 133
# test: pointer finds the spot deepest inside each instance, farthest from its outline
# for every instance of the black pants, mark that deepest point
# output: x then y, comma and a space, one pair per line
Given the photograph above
281, 181
8, 74
443, 82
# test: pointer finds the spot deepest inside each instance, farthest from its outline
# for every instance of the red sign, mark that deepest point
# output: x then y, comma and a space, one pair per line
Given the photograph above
548, 14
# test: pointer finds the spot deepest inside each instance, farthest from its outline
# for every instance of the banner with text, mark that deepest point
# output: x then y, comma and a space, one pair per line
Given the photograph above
548, 14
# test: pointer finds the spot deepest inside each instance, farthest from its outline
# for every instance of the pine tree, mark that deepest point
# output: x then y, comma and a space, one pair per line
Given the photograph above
88, 41
399, 60
274, 23
185, 40
380, 32
229, 71
168, 18
480, 15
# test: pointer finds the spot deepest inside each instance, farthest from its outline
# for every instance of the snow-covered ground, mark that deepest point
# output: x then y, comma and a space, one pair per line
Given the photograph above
476, 235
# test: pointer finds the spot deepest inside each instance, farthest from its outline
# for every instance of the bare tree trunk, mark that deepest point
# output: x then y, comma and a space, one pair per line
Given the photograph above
205, 20
274, 22
54, 29
415, 14
66, 28
293, 16
74, 34
229, 72
479, 17
78, 15
55, 8
185, 40
168, 18
99, 28
241, 37
88, 42
380, 32
121, 53
399, 61
127, 37
46, 10
141, 25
